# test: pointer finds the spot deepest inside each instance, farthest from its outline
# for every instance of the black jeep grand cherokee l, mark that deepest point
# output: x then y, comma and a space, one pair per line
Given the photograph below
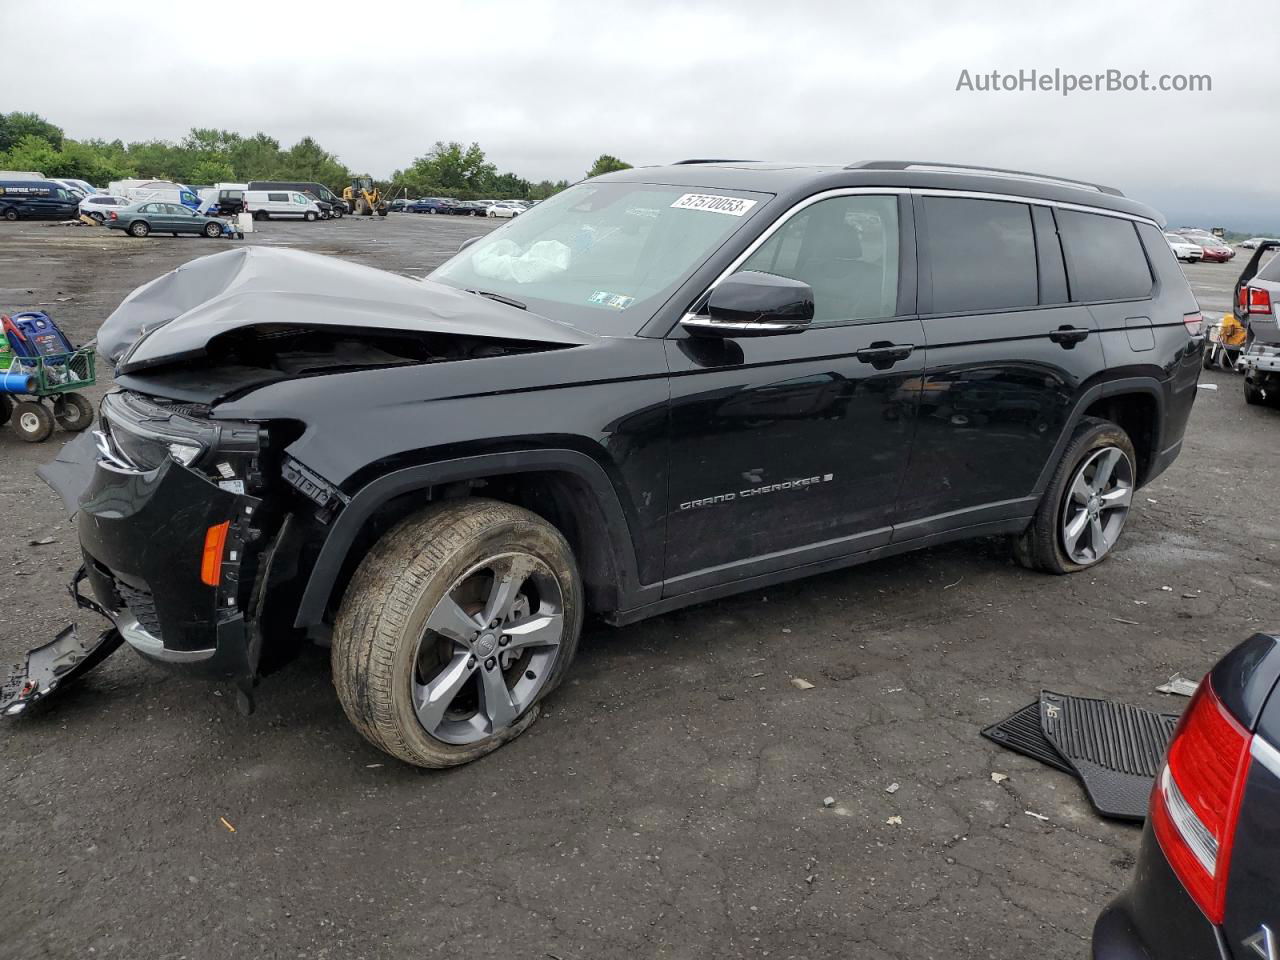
660, 386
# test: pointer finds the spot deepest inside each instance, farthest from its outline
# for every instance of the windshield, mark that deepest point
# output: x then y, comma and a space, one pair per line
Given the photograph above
602, 256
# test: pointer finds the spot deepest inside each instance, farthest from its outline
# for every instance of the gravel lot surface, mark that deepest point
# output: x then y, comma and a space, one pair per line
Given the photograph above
670, 801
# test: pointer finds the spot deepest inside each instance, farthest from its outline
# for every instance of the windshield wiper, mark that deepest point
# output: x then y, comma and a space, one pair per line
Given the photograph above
500, 298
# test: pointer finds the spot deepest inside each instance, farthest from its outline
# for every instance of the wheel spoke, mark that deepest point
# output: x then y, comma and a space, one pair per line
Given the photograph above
1097, 537
432, 700
1121, 496
1106, 466
451, 620
497, 699
1080, 490
539, 630
1073, 530
509, 575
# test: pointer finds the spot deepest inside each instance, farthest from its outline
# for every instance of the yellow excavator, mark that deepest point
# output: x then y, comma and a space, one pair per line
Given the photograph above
363, 198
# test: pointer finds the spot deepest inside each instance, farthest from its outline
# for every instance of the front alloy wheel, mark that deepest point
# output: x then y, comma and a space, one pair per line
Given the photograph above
453, 628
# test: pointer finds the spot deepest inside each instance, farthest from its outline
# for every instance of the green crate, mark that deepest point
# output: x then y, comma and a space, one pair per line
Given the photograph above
59, 373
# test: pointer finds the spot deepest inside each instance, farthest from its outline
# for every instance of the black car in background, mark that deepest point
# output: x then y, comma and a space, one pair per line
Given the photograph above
1207, 882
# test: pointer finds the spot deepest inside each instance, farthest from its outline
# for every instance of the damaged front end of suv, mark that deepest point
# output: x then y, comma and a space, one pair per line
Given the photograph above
197, 523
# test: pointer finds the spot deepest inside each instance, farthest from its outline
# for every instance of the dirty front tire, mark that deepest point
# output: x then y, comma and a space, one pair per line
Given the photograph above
386, 645
1043, 546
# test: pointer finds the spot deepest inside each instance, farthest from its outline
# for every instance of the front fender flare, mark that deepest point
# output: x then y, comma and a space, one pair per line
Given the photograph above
328, 566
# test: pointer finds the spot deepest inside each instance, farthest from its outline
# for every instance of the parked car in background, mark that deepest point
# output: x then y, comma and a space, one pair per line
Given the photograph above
506, 208
1183, 248
83, 187
317, 190
470, 208
1253, 242
328, 211
1215, 249
282, 204
1207, 882
398, 205
37, 200
100, 205
431, 205
1256, 306
155, 216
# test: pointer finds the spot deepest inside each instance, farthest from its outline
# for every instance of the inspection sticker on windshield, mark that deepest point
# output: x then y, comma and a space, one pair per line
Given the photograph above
733, 206
606, 299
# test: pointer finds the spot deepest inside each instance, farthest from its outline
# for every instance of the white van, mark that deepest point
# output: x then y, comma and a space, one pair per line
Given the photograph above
265, 204
144, 191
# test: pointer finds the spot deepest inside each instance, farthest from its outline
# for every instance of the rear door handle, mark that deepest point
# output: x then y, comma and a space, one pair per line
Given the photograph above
883, 354
1068, 337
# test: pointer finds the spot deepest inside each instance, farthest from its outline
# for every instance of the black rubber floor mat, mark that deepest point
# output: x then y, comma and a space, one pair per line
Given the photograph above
1116, 748
1021, 733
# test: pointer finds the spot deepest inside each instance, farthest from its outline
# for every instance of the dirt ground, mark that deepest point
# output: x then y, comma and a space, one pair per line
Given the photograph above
670, 801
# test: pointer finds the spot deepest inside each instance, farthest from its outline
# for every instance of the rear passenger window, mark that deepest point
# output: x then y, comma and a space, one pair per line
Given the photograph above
1270, 268
283, 197
846, 249
1105, 260
982, 254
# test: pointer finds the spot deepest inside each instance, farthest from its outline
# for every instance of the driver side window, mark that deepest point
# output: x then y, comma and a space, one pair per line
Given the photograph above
846, 249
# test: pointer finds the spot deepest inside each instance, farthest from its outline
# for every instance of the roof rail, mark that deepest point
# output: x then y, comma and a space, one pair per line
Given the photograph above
679, 163
968, 168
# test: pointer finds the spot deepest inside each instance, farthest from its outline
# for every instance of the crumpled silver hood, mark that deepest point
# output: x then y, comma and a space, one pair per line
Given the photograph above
176, 315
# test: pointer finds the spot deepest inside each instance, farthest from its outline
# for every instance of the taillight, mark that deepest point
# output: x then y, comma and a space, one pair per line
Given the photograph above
113, 215
1194, 323
1196, 800
1259, 300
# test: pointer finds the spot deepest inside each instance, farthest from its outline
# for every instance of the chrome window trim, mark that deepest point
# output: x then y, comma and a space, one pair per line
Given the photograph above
899, 191
1265, 754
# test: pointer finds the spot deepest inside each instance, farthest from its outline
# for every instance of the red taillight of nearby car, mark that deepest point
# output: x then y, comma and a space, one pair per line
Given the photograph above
113, 215
1196, 800
1255, 300
1194, 323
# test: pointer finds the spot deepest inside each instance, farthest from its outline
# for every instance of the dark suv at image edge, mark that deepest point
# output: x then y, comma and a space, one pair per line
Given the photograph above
659, 387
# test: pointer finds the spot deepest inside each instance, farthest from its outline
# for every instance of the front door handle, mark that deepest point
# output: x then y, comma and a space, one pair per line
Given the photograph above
882, 355
1068, 337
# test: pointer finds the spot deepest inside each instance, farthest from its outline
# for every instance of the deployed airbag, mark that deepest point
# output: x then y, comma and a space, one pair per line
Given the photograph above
176, 315
504, 261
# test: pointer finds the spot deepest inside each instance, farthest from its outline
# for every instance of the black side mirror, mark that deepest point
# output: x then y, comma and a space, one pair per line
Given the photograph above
753, 304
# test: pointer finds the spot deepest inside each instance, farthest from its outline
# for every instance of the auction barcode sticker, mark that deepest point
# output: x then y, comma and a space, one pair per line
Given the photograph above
733, 206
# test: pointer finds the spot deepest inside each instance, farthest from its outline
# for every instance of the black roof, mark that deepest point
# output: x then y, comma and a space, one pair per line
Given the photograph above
795, 180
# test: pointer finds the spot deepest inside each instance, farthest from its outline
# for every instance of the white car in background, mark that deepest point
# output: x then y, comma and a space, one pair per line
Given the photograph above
1183, 248
506, 208
100, 205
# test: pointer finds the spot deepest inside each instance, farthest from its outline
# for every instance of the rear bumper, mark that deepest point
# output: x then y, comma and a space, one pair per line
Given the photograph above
1154, 918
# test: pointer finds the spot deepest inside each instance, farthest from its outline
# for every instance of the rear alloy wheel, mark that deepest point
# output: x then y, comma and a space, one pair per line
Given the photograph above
32, 420
73, 411
139, 228
453, 628
212, 230
1083, 513
11, 214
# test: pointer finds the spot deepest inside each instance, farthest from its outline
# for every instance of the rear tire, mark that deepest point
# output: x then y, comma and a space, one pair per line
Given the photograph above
1072, 502
32, 421
11, 214
1253, 394
259, 214
139, 228
442, 566
73, 411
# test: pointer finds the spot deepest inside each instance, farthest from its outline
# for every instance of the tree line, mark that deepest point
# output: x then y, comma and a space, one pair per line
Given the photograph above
206, 156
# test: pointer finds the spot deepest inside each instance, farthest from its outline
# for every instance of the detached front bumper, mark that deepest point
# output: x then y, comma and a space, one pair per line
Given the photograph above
145, 536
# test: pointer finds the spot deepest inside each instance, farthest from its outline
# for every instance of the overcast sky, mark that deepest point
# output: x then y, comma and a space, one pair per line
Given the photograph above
545, 87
